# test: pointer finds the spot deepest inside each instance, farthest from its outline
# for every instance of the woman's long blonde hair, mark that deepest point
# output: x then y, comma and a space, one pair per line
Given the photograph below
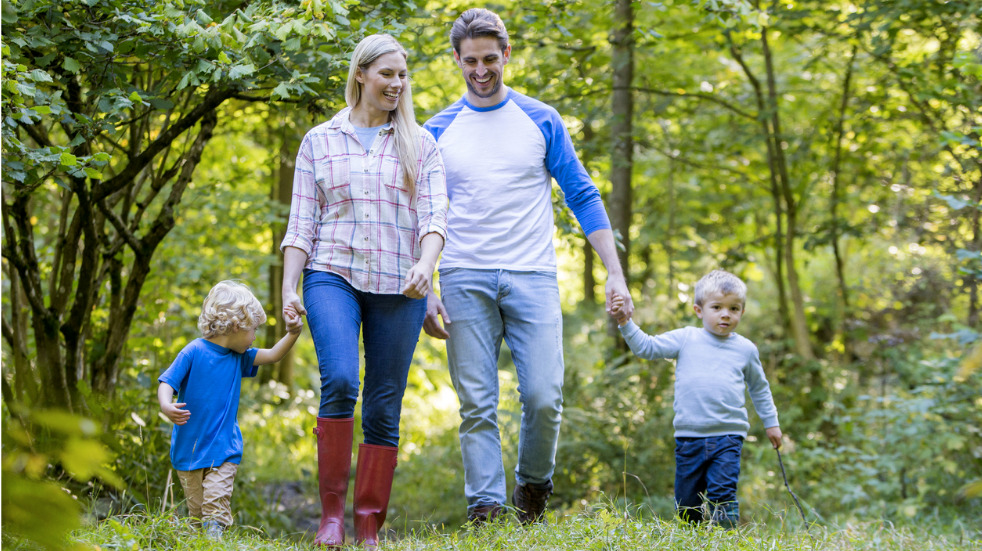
403, 119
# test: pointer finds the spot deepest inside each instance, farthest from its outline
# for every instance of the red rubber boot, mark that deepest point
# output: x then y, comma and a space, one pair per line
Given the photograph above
334, 438
373, 484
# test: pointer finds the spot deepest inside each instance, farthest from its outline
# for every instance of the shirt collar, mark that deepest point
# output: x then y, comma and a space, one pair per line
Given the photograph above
342, 121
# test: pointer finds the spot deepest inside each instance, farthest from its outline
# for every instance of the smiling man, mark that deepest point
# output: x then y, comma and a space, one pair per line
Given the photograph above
502, 150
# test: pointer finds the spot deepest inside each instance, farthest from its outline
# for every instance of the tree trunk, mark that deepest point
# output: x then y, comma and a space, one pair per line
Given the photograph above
843, 289
589, 280
622, 129
799, 327
973, 280
281, 192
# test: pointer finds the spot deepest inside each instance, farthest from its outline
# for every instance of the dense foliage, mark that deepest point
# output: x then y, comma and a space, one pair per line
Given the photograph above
828, 153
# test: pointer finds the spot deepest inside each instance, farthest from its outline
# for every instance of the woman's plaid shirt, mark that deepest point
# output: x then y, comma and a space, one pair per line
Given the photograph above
351, 210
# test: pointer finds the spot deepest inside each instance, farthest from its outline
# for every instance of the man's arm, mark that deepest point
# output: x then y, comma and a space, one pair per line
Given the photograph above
603, 242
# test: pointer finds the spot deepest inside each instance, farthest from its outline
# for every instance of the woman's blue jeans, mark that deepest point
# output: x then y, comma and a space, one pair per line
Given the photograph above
389, 325
523, 309
708, 467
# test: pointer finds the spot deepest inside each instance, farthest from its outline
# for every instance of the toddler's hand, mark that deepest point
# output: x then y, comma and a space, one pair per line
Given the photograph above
774, 435
174, 412
618, 310
294, 323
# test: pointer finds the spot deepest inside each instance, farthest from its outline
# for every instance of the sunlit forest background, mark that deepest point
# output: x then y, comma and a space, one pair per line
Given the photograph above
827, 152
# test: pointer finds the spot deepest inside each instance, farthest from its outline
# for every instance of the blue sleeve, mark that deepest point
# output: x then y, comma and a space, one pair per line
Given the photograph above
653, 347
441, 121
759, 389
249, 367
177, 373
582, 196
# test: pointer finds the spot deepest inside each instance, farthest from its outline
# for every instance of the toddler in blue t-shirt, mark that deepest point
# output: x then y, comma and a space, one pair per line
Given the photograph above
206, 444
714, 366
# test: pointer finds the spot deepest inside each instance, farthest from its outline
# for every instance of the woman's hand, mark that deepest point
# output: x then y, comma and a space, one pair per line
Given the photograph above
292, 307
419, 280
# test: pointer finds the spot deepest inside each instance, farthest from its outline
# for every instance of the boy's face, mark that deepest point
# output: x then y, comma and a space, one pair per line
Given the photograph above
241, 340
720, 313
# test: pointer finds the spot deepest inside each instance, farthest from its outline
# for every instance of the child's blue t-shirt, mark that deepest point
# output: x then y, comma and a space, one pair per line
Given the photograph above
208, 378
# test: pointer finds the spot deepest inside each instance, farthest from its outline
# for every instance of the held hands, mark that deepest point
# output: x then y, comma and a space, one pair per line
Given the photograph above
292, 306
175, 413
774, 435
617, 288
294, 323
620, 309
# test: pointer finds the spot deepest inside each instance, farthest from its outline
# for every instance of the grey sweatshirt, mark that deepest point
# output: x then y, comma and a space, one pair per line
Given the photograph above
711, 373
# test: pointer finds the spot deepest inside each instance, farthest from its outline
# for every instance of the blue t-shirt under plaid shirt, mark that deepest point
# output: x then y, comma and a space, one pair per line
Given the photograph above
208, 378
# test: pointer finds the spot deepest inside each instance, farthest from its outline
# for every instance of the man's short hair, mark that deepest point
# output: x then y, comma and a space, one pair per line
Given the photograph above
722, 282
478, 23
229, 307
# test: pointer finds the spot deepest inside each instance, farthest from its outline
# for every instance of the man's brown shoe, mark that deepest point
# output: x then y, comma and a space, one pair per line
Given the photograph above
484, 514
531, 499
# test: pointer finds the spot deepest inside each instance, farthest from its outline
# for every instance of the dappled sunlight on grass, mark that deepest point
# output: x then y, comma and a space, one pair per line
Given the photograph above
601, 528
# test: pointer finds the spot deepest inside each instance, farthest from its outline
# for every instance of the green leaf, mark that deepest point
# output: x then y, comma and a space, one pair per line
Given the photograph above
223, 57
135, 97
71, 65
282, 91
40, 511
67, 159
37, 75
240, 71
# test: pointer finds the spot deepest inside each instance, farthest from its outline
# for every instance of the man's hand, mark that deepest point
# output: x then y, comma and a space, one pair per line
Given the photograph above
774, 435
175, 413
434, 312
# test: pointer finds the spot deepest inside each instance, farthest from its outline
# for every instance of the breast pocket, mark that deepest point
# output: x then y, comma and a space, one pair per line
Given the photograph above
333, 176
393, 176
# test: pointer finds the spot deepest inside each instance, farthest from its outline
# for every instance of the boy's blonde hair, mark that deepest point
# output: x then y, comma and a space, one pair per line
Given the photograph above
722, 282
229, 307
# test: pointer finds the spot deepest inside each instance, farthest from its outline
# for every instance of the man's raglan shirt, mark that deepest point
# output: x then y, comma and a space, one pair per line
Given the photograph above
500, 162
208, 378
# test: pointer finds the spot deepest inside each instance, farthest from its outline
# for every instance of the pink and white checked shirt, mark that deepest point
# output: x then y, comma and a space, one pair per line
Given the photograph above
351, 212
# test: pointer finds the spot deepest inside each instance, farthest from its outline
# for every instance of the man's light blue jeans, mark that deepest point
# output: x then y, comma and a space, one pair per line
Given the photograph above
486, 306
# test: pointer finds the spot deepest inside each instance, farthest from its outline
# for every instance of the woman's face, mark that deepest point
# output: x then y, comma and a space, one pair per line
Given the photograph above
383, 82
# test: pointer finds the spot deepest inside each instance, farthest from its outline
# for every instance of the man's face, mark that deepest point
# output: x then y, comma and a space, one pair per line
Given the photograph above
482, 63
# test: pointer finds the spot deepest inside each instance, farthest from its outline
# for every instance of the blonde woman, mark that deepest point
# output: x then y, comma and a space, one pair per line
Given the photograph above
367, 223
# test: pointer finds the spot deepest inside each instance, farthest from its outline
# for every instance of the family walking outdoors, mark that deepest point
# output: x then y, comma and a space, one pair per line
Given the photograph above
377, 201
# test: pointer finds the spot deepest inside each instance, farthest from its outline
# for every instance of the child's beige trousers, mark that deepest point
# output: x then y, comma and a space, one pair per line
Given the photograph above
209, 492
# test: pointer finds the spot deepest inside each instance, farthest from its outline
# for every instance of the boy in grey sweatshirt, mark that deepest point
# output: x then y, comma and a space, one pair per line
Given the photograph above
713, 366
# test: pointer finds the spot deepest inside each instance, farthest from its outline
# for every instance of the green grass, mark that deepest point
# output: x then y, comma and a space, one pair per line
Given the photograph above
603, 529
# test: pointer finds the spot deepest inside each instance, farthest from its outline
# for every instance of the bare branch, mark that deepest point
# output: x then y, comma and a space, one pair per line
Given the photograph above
707, 97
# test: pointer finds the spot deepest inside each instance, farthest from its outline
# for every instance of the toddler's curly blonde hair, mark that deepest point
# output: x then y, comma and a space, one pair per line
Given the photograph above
720, 281
229, 307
